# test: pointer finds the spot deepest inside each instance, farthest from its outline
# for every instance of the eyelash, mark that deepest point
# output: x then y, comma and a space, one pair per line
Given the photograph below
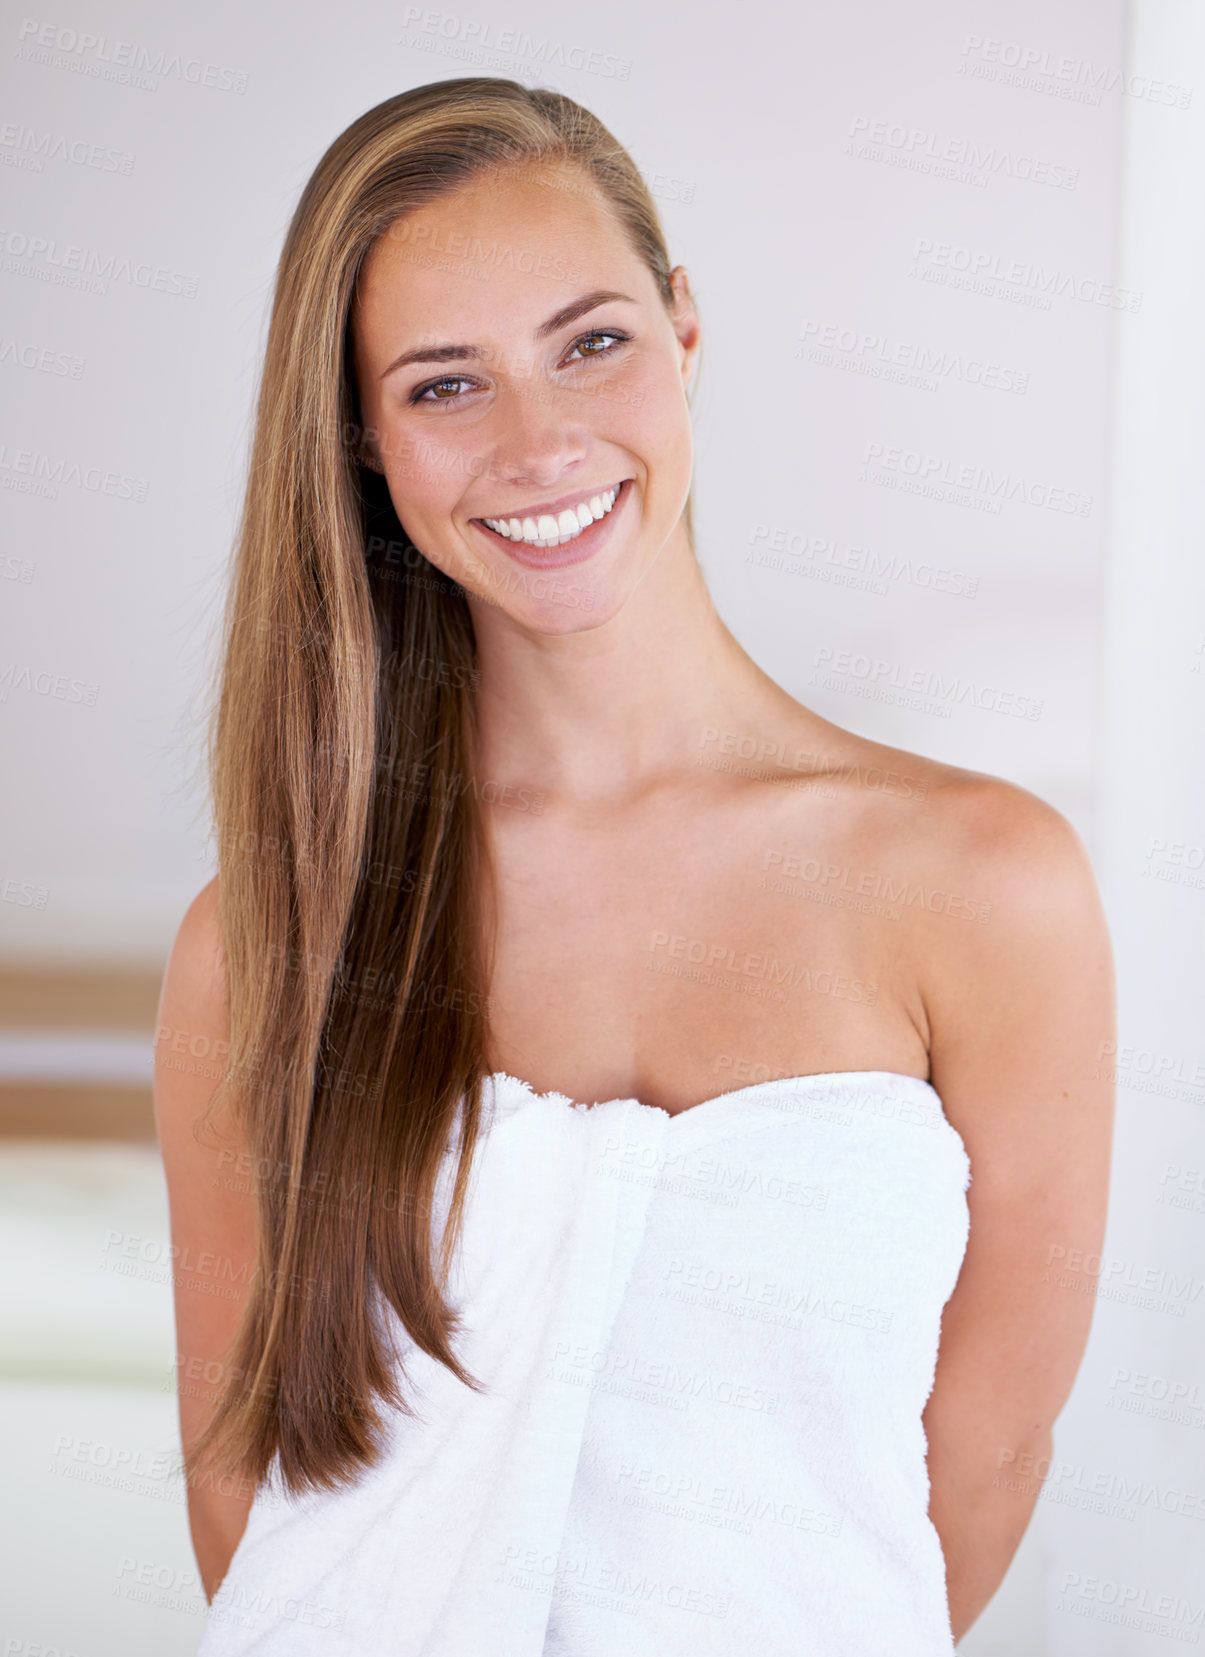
418, 395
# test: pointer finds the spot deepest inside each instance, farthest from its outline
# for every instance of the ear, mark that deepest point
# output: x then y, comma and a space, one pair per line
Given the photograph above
685, 321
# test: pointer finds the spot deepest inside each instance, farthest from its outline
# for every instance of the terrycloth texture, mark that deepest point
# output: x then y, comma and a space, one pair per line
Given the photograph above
707, 1341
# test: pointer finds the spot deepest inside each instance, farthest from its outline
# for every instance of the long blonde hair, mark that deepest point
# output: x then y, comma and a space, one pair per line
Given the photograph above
351, 854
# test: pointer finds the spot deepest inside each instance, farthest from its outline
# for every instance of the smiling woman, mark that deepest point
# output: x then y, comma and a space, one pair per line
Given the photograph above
649, 1108
532, 395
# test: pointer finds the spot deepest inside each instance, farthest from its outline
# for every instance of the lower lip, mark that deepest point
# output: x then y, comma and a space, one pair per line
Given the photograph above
582, 546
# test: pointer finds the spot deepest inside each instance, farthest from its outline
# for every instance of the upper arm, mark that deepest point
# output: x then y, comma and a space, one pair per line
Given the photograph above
1020, 1007
213, 1223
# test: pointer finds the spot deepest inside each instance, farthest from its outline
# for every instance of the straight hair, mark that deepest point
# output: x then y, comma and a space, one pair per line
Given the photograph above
352, 864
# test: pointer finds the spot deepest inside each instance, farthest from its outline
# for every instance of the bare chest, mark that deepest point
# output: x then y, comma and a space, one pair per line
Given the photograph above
674, 968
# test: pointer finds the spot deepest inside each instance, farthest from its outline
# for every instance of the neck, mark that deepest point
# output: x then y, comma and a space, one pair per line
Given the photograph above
600, 714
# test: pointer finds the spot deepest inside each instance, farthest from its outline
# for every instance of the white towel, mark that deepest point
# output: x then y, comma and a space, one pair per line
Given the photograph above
707, 1341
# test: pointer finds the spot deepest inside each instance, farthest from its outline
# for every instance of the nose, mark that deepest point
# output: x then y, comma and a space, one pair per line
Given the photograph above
539, 436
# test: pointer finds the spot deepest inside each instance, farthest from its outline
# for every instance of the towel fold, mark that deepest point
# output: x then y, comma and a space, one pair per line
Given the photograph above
707, 1341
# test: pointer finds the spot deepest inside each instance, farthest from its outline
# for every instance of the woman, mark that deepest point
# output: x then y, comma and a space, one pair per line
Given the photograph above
550, 931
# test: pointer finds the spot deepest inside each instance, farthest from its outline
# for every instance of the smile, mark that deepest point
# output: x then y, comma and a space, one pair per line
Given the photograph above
547, 529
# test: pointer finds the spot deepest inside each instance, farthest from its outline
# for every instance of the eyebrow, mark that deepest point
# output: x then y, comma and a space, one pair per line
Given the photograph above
560, 319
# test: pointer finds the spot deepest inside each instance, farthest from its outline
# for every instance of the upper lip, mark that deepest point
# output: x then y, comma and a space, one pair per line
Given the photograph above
553, 507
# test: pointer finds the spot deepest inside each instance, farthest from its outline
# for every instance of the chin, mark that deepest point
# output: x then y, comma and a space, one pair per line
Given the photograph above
579, 608
561, 602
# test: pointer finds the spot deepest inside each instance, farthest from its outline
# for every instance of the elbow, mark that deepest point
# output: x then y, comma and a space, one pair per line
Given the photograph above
981, 1503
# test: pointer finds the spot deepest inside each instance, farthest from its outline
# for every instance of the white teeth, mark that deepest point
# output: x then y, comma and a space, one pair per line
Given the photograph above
550, 531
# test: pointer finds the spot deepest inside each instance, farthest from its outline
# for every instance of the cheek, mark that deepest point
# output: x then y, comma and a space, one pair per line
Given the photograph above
661, 421
426, 471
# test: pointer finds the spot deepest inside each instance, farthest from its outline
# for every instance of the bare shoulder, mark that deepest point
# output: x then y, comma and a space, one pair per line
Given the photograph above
192, 1026
1007, 934
989, 888
938, 841
1018, 847
196, 955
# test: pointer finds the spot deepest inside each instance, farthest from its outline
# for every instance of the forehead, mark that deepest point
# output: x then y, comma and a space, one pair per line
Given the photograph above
515, 244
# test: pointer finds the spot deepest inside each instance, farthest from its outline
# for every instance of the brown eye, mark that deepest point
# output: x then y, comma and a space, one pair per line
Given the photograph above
436, 385
600, 333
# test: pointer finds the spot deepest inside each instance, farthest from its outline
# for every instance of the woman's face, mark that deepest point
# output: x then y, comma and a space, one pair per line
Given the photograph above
520, 377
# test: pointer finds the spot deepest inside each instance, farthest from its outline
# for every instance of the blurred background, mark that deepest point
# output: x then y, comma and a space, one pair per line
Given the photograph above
949, 262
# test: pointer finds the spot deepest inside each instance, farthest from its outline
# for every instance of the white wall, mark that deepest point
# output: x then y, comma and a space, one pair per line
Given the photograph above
745, 122
1048, 652
1134, 1438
